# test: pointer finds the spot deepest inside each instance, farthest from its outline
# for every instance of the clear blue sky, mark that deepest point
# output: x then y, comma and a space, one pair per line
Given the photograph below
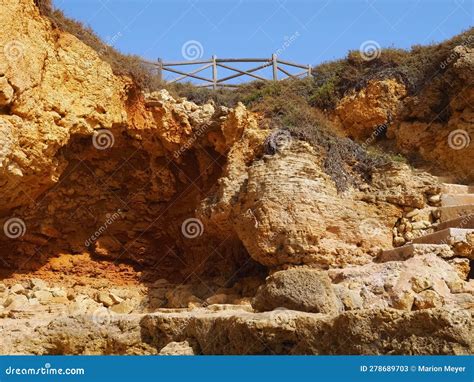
314, 31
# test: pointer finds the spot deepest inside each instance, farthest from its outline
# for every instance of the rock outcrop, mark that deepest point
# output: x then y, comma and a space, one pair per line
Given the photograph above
435, 124
147, 224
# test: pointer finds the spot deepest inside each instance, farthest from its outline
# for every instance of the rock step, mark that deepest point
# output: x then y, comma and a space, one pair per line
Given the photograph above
454, 212
411, 250
466, 221
444, 236
448, 200
448, 188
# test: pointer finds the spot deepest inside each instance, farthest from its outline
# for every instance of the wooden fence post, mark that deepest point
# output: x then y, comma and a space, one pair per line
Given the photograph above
160, 69
275, 67
310, 68
214, 73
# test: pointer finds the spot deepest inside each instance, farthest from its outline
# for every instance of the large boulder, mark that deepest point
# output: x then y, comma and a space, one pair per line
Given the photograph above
298, 289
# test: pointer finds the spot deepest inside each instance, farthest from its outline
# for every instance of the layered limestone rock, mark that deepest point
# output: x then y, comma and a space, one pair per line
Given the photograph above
237, 331
157, 221
52, 88
83, 146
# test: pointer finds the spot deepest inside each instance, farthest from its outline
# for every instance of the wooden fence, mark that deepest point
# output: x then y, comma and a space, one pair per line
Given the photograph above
215, 82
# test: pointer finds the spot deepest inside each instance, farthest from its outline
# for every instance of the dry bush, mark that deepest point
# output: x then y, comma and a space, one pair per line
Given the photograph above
416, 68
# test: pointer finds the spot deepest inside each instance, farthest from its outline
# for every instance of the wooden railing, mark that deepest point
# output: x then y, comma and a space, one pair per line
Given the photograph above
214, 81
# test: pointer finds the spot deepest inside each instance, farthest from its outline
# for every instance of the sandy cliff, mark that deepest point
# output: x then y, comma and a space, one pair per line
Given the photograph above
140, 223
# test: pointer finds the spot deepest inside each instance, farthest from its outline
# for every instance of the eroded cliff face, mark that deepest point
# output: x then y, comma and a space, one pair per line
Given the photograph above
162, 226
434, 124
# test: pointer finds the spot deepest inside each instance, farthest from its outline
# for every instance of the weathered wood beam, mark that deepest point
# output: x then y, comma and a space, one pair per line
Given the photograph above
243, 60
193, 72
177, 63
289, 63
242, 71
286, 72
187, 74
248, 71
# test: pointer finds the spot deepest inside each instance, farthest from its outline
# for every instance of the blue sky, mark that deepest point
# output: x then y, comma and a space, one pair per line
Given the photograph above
304, 31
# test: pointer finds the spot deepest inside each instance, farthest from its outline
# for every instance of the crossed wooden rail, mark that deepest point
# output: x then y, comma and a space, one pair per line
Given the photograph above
214, 63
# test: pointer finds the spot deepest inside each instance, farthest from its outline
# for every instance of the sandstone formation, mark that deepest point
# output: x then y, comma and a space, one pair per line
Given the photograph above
141, 223
440, 133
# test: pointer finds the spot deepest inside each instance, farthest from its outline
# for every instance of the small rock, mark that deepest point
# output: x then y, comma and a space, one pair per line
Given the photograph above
420, 284
221, 299
434, 199
398, 241
403, 300
124, 307
16, 302
105, 298
177, 348
116, 299
37, 284
17, 289
57, 292
419, 225
427, 299
413, 213
43, 296
456, 286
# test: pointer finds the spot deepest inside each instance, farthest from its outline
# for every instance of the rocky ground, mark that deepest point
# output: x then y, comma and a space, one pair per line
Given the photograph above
140, 223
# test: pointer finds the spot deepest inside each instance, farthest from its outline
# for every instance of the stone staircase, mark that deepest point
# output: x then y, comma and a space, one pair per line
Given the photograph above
454, 233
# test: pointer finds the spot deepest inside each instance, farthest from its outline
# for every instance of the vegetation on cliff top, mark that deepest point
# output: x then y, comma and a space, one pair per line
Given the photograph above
122, 64
297, 105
